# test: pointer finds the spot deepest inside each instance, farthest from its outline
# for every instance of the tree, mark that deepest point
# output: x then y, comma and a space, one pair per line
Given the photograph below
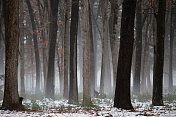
157, 99
114, 38
53, 14
11, 97
172, 23
37, 58
137, 73
104, 46
73, 92
22, 48
66, 47
92, 54
122, 92
86, 51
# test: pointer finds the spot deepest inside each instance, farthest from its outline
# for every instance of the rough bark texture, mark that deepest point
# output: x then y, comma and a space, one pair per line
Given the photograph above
73, 92
136, 82
11, 98
157, 98
86, 52
122, 92
66, 47
53, 14
37, 58
22, 49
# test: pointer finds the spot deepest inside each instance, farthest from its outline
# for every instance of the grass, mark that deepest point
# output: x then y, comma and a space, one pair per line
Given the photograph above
144, 98
169, 98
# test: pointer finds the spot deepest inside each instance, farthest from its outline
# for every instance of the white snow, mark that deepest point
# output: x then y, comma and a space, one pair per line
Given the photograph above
61, 108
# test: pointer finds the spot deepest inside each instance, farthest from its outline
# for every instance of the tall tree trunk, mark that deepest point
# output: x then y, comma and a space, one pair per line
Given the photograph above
136, 82
66, 47
73, 92
157, 99
113, 40
104, 45
11, 98
92, 58
53, 16
86, 51
37, 58
171, 50
122, 92
22, 48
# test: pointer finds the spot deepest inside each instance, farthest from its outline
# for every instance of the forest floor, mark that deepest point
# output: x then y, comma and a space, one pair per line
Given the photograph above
100, 108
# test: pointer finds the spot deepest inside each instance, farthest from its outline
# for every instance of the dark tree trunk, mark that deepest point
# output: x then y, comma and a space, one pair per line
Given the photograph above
92, 58
53, 16
37, 58
136, 83
157, 99
66, 47
73, 92
172, 22
122, 92
11, 97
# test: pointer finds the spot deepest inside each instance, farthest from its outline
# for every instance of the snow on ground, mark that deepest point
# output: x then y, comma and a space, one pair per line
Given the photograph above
103, 108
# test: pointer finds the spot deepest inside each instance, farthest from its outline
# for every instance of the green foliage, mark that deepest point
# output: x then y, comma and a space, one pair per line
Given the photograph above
151, 106
89, 105
144, 98
35, 106
170, 98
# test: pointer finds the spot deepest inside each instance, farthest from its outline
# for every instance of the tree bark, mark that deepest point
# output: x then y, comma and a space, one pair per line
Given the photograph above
11, 97
66, 47
53, 16
73, 92
136, 82
86, 51
122, 92
157, 98
104, 45
171, 50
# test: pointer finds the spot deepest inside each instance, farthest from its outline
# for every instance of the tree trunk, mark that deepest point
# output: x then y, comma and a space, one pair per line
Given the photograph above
122, 92
22, 49
157, 99
136, 82
66, 47
73, 92
37, 58
92, 58
86, 51
171, 50
104, 46
114, 38
53, 16
11, 98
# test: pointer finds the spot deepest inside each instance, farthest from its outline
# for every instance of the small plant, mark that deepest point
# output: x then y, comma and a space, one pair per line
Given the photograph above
89, 105
35, 106
151, 106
